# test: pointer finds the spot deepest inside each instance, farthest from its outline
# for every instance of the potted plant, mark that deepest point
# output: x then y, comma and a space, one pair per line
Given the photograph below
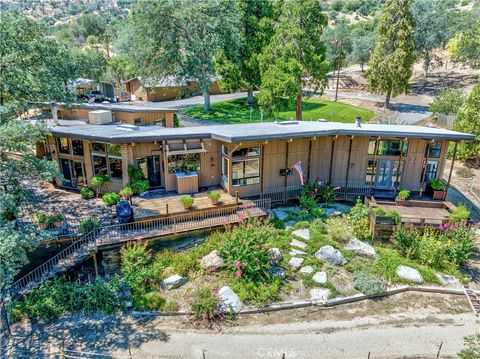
402, 196
214, 197
187, 201
437, 188
111, 198
46, 221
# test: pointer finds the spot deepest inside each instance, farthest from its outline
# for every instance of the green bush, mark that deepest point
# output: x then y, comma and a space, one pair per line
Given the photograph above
187, 201
48, 220
126, 191
140, 186
111, 198
339, 229
395, 216
437, 184
328, 194
135, 174
214, 195
368, 283
151, 301
461, 213
206, 307
259, 294
171, 306
448, 101
87, 193
88, 224
403, 194
472, 347
100, 183
360, 220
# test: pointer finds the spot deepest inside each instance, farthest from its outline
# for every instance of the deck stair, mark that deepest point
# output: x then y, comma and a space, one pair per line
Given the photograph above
472, 299
82, 248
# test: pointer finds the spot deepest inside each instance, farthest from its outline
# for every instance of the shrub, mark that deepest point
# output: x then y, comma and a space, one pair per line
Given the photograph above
368, 283
151, 301
187, 201
461, 213
307, 200
126, 191
214, 195
465, 172
403, 194
135, 174
379, 211
277, 222
339, 229
317, 212
48, 220
206, 307
437, 184
111, 198
249, 291
360, 220
395, 216
99, 183
405, 241
472, 347
328, 194
140, 186
87, 193
448, 101
88, 224
171, 306
460, 237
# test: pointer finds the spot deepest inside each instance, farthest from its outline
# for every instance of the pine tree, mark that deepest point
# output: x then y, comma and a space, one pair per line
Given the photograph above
391, 64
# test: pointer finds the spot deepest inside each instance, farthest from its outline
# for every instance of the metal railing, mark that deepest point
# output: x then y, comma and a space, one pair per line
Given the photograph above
349, 188
118, 233
282, 194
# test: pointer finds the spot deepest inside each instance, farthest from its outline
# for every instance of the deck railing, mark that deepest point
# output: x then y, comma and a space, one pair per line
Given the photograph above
118, 233
282, 194
350, 188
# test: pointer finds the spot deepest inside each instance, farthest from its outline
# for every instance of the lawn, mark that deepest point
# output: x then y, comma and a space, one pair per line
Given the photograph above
237, 111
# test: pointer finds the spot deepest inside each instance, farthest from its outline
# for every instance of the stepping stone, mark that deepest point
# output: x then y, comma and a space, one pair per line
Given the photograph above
174, 281
295, 262
297, 252
275, 254
319, 293
303, 233
446, 279
361, 248
289, 224
230, 300
330, 255
409, 274
320, 277
306, 270
297, 243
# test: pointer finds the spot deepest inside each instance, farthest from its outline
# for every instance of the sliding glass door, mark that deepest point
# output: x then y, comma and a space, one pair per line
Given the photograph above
73, 173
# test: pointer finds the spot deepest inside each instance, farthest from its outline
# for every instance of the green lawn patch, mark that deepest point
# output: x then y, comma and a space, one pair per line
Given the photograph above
237, 111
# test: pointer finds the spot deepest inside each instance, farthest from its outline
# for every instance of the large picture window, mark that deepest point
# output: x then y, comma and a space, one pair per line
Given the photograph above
434, 150
107, 160
183, 163
246, 166
388, 147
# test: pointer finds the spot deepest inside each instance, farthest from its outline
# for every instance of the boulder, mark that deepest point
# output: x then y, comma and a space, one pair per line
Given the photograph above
289, 224
174, 281
278, 272
302, 233
361, 248
297, 252
409, 274
297, 243
320, 277
295, 262
281, 215
306, 270
332, 212
212, 260
319, 293
446, 279
230, 300
276, 255
330, 255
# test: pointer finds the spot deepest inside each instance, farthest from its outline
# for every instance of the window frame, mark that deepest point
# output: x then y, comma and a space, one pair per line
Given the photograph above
248, 154
371, 148
108, 154
432, 150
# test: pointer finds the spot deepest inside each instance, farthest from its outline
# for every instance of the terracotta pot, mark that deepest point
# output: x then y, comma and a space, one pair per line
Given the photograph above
214, 200
187, 206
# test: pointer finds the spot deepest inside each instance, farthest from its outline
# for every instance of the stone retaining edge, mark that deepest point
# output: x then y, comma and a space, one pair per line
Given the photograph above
329, 303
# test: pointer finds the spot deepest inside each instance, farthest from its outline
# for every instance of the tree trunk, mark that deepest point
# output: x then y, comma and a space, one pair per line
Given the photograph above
361, 66
338, 69
250, 99
426, 65
299, 106
387, 100
206, 101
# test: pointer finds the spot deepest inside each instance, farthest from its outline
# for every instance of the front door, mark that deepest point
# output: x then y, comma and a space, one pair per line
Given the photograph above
151, 168
387, 174
66, 168
73, 173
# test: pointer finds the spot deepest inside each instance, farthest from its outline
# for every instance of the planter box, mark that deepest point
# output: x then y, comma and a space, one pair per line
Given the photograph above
436, 195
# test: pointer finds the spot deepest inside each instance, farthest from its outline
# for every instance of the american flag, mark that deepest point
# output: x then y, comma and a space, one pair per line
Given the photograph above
298, 168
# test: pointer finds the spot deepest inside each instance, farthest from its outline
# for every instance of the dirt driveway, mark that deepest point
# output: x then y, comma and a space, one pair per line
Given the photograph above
410, 325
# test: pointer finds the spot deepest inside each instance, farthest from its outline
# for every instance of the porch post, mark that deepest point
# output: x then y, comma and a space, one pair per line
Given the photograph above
348, 161
424, 169
309, 157
262, 159
285, 183
331, 160
451, 169
397, 181
374, 167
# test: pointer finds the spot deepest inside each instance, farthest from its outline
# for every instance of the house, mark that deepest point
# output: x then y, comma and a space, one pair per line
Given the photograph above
250, 160
166, 88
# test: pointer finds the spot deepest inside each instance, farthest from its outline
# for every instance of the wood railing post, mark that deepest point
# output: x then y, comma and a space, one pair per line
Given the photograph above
236, 197
166, 208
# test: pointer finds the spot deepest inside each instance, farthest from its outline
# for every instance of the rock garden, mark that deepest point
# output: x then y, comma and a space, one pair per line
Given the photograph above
305, 252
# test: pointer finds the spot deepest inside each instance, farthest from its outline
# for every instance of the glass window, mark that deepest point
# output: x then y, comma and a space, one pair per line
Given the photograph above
100, 165
388, 147
99, 147
245, 172
434, 149
115, 164
77, 147
246, 152
181, 163
224, 170
224, 150
371, 171
63, 146
79, 173
431, 170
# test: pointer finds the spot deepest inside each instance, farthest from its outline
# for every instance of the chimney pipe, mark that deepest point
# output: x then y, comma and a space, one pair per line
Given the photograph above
54, 109
358, 121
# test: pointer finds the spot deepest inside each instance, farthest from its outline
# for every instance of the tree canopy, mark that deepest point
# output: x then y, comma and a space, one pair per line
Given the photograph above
465, 47
391, 64
295, 56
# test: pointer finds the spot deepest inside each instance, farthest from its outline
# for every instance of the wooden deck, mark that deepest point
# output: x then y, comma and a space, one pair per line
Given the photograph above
170, 205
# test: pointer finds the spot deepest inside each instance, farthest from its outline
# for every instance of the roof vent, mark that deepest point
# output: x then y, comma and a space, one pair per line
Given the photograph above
321, 120
124, 126
288, 123
358, 121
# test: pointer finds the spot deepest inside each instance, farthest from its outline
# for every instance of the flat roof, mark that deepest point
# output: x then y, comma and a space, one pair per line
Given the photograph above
115, 133
112, 107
